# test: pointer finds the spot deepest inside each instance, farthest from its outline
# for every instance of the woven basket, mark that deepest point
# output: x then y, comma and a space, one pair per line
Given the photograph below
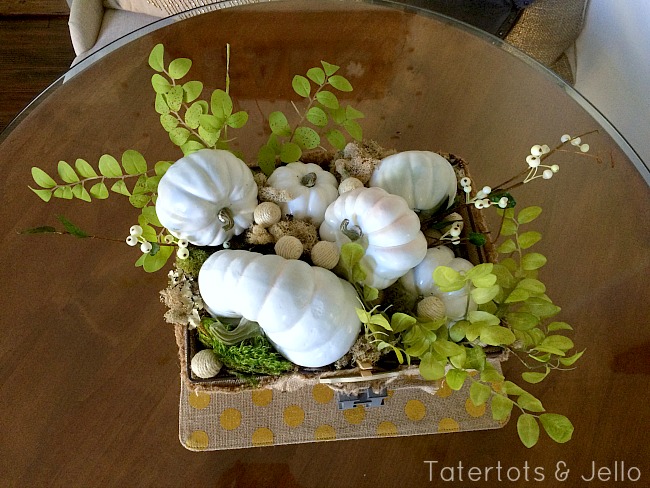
349, 380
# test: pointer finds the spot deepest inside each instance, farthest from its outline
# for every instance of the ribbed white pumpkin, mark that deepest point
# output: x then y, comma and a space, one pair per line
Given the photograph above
419, 281
312, 188
207, 197
307, 312
390, 232
424, 179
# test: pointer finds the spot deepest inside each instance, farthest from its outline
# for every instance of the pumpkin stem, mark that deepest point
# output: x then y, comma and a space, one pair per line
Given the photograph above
353, 233
226, 217
309, 180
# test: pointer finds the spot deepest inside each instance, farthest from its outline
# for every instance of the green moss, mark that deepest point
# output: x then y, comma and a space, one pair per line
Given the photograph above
254, 355
193, 263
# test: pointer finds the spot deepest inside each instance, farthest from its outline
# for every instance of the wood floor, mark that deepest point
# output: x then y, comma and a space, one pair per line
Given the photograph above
35, 49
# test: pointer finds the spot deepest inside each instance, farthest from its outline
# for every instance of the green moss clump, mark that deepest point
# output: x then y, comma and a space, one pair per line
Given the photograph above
254, 355
192, 264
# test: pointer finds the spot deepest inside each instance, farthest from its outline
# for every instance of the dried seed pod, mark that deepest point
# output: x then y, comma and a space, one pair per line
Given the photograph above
325, 254
431, 308
205, 364
455, 220
349, 184
289, 247
267, 214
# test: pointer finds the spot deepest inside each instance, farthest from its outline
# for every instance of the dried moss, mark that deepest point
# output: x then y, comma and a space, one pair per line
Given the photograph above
182, 300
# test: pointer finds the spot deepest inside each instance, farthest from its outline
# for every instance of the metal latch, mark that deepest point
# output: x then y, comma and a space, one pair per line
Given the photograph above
366, 398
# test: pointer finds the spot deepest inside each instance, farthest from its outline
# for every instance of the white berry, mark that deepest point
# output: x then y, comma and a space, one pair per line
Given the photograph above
146, 247
533, 161
132, 240
135, 230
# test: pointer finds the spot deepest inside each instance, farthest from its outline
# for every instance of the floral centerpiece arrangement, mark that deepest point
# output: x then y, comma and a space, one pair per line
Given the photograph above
318, 259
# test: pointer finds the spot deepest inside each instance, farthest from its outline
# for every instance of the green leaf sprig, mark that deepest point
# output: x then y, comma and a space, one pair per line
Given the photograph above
513, 314
130, 177
192, 123
513, 311
85, 182
323, 115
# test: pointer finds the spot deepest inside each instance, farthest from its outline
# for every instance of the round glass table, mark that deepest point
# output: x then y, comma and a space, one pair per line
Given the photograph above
89, 369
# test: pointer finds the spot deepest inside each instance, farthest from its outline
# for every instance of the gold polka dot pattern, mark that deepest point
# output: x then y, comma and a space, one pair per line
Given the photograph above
262, 398
230, 419
198, 440
325, 433
415, 410
212, 421
355, 415
386, 429
262, 437
294, 415
473, 410
199, 400
322, 393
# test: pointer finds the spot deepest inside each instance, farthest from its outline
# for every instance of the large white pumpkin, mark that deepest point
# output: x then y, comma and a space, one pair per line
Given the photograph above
207, 197
308, 313
424, 179
419, 281
388, 230
312, 188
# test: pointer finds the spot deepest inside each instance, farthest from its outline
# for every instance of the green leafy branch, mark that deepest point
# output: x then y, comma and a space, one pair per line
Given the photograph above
192, 124
513, 305
323, 112
513, 311
85, 182
68, 229
492, 385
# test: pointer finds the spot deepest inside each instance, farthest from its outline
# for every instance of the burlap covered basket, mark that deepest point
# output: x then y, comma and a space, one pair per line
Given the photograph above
352, 379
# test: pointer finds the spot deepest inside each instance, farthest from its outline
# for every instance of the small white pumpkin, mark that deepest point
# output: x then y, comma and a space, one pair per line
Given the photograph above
384, 225
207, 197
308, 313
419, 281
424, 179
311, 187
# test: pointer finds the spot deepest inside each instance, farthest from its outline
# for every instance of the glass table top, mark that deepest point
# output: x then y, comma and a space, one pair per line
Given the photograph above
88, 366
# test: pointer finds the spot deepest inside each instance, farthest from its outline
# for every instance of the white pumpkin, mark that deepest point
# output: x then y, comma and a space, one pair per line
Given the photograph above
207, 197
308, 313
419, 281
386, 228
424, 179
311, 187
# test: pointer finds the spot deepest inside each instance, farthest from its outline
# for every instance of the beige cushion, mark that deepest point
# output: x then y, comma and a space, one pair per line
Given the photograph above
547, 29
138, 6
84, 23
115, 24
